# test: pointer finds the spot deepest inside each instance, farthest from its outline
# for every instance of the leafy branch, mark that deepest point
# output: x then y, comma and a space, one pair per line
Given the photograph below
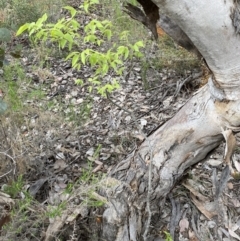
66, 34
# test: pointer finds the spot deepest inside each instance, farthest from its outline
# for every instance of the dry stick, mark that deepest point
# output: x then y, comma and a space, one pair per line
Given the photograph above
149, 190
130, 113
14, 162
176, 92
130, 70
193, 223
150, 168
188, 79
5, 174
164, 95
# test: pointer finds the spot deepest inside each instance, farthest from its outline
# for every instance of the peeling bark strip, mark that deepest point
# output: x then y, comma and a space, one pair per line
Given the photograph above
235, 16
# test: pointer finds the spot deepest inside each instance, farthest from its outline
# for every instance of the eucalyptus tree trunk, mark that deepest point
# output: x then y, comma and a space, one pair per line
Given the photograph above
137, 187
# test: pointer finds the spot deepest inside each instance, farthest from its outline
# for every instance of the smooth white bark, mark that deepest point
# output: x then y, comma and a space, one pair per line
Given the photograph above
209, 26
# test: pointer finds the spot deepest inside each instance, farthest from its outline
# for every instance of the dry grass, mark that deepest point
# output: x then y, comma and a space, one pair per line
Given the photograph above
15, 13
12, 151
171, 56
23, 137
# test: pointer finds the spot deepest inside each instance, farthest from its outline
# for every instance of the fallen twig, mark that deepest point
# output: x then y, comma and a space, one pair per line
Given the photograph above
14, 163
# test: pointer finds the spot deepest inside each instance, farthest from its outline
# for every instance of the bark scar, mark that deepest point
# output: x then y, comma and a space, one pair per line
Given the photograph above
235, 16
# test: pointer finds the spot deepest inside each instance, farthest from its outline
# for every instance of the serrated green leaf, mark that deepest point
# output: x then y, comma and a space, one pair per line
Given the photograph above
75, 60
118, 61
32, 31
79, 81
124, 35
22, 29
70, 45
77, 66
120, 71
62, 43
98, 24
40, 35
120, 49
41, 20
92, 38
83, 57
93, 60
60, 24
139, 44
105, 68
126, 55
108, 55
71, 55
135, 47
75, 24
99, 42
68, 37
85, 7
71, 10
108, 34
113, 65
90, 88
96, 81
56, 33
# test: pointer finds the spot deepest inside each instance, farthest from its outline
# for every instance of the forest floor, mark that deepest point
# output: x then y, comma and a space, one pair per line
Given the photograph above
58, 140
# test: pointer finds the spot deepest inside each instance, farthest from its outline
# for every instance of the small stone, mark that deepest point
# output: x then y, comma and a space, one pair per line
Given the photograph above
137, 69
74, 93
211, 224
230, 185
